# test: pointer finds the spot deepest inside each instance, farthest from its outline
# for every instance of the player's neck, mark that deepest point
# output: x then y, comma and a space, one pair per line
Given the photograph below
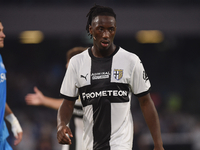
102, 53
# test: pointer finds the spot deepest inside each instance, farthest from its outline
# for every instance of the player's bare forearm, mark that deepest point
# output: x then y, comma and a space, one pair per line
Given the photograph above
65, 112
53, 103
7, 110
151, 117
64, 115
38, 98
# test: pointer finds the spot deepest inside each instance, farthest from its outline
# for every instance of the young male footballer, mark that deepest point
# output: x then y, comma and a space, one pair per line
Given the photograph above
105, 76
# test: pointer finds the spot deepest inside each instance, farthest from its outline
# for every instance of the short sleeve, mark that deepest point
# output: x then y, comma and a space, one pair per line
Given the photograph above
69, 89
140, 83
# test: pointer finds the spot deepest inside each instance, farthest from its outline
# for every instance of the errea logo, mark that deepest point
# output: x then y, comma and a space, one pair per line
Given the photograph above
2, 77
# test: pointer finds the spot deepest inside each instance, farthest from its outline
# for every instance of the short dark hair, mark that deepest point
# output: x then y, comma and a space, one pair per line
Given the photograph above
98, 10
74, 51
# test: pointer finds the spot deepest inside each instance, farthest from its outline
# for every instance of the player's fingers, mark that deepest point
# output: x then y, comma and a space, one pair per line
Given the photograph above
29, 101
18, 138
36, 89
29, 96
69, 132
63, 138
65, 141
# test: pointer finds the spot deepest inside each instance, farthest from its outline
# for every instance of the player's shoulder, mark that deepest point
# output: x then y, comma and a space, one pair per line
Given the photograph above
80, 56
128, 54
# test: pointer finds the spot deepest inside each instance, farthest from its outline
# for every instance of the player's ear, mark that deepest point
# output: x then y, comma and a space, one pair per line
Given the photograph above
90, 29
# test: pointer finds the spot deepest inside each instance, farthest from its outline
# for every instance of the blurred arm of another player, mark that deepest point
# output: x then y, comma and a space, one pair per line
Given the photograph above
38, 98
64, 115
15, 126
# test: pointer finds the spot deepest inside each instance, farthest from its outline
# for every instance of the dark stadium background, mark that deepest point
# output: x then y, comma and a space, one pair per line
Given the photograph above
173, 65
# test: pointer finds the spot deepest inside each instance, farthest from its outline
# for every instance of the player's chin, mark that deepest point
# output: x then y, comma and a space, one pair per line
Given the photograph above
104, 47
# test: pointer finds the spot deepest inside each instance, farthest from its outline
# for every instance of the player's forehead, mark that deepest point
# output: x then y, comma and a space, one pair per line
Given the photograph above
101, 19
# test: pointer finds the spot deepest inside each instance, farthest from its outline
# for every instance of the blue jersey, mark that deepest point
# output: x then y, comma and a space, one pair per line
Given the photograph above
3, 129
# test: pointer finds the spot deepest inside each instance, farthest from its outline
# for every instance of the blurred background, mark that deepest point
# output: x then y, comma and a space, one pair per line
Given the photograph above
165, 34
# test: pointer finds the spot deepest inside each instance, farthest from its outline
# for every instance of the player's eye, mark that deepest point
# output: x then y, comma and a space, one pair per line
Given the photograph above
100, 29
111, 29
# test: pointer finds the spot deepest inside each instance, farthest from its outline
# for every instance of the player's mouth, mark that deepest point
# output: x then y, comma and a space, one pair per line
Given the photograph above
105, 43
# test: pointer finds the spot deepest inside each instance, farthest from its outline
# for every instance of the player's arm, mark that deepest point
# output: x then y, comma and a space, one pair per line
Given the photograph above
52, 102
8, 111
151, 117
38, 98
15, 126
64, 115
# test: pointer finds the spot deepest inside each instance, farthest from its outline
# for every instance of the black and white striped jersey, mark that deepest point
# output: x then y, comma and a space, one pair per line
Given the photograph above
76, 126
105, 86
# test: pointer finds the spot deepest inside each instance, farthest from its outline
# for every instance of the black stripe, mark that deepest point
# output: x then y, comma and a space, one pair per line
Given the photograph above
100, 94
78, 111
102, 125
142, 94
110, 92
100, 77
73, 129
93, 57
102, 111
68, 98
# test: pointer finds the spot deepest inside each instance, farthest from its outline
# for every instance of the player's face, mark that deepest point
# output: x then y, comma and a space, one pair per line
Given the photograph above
103, 30
2, 36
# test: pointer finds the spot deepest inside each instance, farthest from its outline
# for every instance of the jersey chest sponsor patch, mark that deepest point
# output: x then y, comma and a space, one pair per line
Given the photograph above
2, 77
100, 75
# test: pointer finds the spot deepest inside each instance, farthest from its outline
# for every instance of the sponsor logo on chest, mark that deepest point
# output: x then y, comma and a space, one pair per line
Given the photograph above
100, 75
2, 77
105, 93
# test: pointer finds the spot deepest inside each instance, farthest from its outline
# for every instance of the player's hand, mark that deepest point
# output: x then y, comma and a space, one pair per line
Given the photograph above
63, 135
34, 98
15, 128
18, 138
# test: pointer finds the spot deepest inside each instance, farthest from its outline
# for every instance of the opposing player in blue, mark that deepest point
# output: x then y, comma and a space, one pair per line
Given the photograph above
5, 111
105, 76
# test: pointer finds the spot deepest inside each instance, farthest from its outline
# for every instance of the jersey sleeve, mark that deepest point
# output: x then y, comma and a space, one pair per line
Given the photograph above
69, 89
140, 83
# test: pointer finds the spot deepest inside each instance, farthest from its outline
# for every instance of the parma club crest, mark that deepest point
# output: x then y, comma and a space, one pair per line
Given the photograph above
118, 73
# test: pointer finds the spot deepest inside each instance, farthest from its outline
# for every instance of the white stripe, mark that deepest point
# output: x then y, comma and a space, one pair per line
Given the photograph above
88, 128
79, 133
121, 138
